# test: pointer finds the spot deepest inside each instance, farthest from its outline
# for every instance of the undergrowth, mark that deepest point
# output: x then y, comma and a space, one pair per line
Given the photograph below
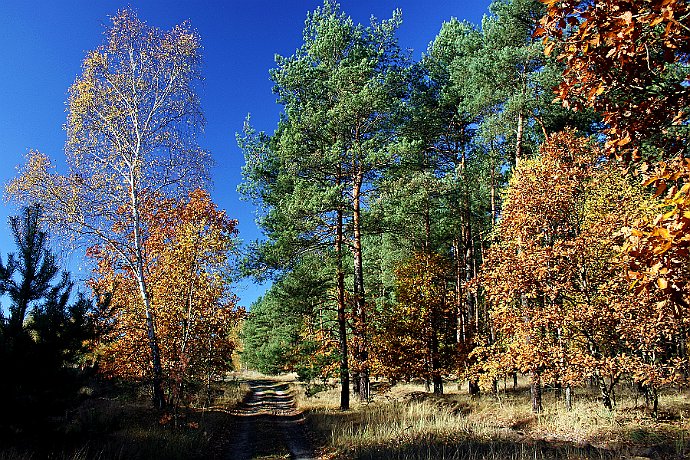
406, 422
116, 421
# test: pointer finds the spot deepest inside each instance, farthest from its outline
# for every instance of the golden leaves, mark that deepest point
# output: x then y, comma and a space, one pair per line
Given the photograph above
415, 332
629, 48
186, 250
556, 278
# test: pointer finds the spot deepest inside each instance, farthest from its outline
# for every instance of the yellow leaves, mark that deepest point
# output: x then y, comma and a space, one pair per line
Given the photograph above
31, 178
186, 254
636, 232
656, 21
662, 233
549, 279
421, 316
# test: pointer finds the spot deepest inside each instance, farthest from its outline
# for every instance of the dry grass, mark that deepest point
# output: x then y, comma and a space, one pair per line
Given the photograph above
232, 392
120, 424
406, 422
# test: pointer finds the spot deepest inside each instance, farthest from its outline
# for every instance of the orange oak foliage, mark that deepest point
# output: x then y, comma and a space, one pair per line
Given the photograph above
626, 59
417, 333
187, 249
660, 247
527, 271
629, 60
557, 281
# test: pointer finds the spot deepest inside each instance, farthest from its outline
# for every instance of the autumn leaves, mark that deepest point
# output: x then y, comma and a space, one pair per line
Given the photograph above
575, 274
386, 175
563, 310
134, 194
628, 62
187, 269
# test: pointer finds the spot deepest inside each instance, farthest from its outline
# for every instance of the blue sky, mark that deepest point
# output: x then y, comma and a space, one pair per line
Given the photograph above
42, 44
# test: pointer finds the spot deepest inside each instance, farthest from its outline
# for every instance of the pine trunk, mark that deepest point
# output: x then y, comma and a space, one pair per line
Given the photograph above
518, 142
342, 319
461, 333
359, 294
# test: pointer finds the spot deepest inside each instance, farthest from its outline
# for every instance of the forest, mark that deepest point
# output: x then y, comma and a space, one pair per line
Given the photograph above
512, 203
513, 206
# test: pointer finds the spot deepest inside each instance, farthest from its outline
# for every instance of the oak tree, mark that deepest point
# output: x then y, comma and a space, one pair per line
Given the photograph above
628, 60
416, 336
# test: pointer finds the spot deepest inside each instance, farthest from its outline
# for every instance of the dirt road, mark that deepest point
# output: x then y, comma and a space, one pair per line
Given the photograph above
267, 425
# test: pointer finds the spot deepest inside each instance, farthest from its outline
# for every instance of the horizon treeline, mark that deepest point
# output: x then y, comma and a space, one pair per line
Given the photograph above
514, 202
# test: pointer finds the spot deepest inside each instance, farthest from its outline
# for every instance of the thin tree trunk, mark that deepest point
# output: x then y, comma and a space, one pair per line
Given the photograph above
518, 143
535, 392
540, 121
209, 367
427, 228
607, 390
359, 294
494, 211
472, 307
157, 368
438, 384
342, 318
473, 387
434, 358
460, 333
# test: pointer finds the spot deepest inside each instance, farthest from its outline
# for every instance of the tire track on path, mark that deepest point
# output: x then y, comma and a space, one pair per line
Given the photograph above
268, 425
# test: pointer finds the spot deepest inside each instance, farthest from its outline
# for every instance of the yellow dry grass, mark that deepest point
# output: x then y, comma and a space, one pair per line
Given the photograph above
406, 422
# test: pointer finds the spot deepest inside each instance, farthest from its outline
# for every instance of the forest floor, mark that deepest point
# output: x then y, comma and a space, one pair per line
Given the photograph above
249, 417
405, 422
257, 417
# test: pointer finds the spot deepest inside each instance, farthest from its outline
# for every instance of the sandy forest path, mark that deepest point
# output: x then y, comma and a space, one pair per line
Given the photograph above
266, 425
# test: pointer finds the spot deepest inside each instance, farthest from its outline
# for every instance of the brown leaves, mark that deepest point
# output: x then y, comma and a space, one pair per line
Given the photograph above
557, 279
638, 51
187, 251
660, 245
616, 54
416, 337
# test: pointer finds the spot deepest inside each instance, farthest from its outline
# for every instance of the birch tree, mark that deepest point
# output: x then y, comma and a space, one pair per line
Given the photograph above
132, 125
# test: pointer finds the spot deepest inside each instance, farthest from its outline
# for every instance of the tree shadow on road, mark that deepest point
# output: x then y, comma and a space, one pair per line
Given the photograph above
266, 425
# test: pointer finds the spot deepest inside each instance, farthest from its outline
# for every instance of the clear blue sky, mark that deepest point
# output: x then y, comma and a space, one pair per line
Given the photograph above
43, 42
